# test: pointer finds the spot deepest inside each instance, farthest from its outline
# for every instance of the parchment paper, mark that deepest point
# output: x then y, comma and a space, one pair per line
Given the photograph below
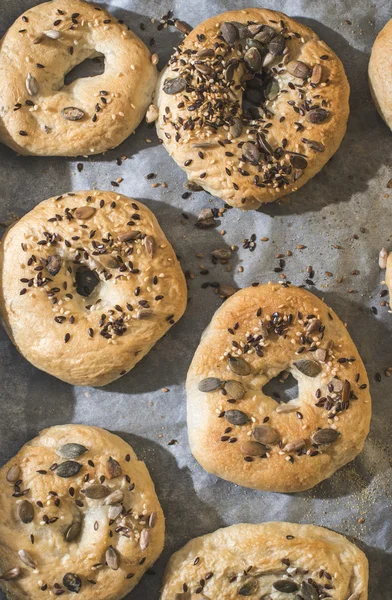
349, 194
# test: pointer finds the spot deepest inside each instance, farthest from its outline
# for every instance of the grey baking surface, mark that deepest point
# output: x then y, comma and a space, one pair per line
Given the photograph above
350, 193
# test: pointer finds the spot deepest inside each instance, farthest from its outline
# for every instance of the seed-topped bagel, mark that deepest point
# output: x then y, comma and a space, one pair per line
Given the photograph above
79, 515
238, 432
41, 115
252, 104
380, 73
271, 561
89, 283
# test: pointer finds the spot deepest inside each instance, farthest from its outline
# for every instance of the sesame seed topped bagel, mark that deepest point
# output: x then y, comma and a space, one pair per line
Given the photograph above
89, 283
39, 114
269, 561
251, 105
240, 433
79, 516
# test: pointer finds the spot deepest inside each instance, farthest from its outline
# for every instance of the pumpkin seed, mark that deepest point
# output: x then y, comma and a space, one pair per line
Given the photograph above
53, 34
210, 384
72, 582
251, 152
298, 69
252, 60
114, 497
69, 468
243, 31
293, 446
265, 434
72, 113
254, 96
114, 511
286, 586
32, 85
236, 417
112, 558
317, 115
113, 468
249, 588
174, 86
222, 253
144, 539
13, 474
26, 558
272, 90
310, 368
308, 591
235, 389
239, 366
26, 511
149, 245
236, 128
72, 450
229, 33
276, 45
325, 436
108, 261
264, 35
96, 491
255, 44
298, 162
73, 531
152, 520
253, 449
11, 574
84, 212
130, 236
317, 74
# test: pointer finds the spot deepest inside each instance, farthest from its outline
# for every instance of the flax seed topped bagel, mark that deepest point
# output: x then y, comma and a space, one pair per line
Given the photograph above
252, 104
241, 434
39, 114
79, 514
89, 283
270, 561
380, 73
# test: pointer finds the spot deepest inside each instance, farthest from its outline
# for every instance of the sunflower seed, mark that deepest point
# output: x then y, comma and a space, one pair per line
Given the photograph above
204, 69
320, 354
317, 74
308, 591
109, 262
72, 582
149, 245
298, 162
130, 236
229, 71
276, 45
84, 212
152, 520
251, 152
73, 531
112, 558
205, 53
96, 491
253, 449
144, 539
235, 389
346, 390
236, 417
26, 558
26, 511
293, 446
317, 115
236, 128
32, 85
239, 366
286, 586
265, 434
113, 468
192, 186
310, 368
11, 574
210, 384
174, 86
313, 326
298, 69
272, 90
53, 34
316, 146
222, 253
114, 497
252, 60
286, 408
249, 588
13, 474
268, 59
72, 450
72, 113
53, 264
229, 33
325, 436
69, 468
114, 511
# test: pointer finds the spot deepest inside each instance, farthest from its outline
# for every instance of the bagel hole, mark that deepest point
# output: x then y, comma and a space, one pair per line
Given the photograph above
91, 67
283, 388
86, 281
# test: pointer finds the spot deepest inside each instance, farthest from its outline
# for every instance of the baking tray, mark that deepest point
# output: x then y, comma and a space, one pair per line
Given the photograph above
342, 217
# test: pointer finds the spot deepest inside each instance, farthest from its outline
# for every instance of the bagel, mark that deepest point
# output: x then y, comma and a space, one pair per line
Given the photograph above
238, 432
380, 73
39, 114
271, 561
79, 514
89, 283
252, 125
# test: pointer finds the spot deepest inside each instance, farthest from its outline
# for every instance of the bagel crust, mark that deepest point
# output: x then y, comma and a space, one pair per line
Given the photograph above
259, 561
270, 561
251, 126
52, 258
238, 432
39, 114
380, 73
79, 514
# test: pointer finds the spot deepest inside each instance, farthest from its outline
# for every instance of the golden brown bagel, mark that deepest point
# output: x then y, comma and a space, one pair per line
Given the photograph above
380, 73
238, 432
